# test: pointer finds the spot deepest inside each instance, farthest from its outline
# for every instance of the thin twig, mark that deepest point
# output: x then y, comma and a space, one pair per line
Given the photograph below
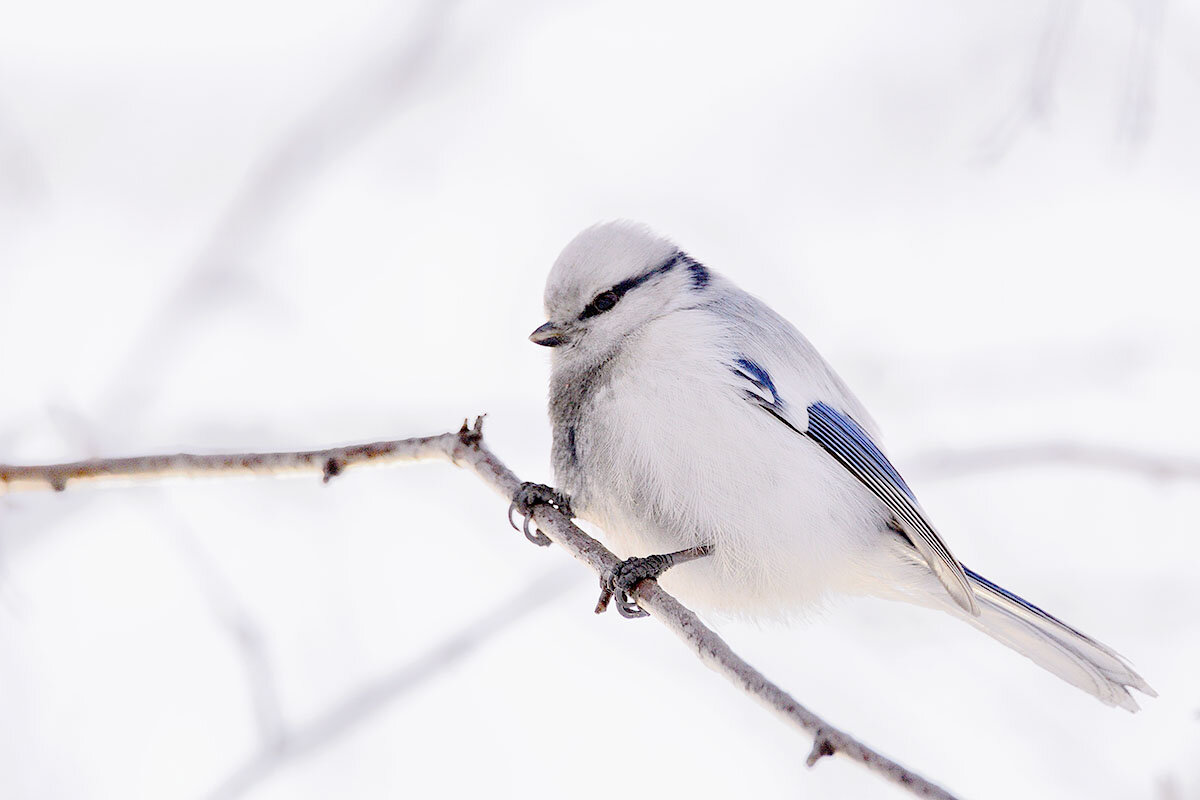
465, 448
329, 463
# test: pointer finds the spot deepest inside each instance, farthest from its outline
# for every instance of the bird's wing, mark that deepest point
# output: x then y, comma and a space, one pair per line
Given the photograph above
841, 437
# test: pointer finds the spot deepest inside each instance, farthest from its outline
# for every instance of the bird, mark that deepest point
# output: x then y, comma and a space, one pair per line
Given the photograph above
722, 455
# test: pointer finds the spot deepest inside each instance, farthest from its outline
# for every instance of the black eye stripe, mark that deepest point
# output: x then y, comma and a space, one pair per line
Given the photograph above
602, 302
606, 300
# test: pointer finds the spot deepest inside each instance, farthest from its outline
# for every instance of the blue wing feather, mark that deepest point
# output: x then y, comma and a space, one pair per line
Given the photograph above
821, 415
845, 440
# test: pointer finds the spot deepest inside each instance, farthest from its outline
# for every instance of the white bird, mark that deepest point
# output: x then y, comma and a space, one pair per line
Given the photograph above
718, 449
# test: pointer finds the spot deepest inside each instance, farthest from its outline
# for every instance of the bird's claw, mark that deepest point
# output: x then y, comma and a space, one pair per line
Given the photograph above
534, 494
534, 536
629, 609
618, 584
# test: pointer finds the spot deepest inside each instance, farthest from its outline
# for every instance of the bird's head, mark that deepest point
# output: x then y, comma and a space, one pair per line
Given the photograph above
610, 281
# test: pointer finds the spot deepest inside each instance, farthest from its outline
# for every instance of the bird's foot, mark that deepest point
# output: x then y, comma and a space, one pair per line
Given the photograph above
535, 494
617, 585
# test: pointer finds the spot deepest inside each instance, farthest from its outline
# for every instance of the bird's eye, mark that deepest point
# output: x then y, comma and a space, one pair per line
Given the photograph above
605, 301
601, 303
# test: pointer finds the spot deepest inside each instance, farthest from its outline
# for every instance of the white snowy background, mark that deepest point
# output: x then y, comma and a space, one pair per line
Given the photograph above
275, 225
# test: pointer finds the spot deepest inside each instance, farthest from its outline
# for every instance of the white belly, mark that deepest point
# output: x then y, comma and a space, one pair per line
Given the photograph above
674, 456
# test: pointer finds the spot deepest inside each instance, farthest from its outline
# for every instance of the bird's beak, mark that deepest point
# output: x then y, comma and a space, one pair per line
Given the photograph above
549, 335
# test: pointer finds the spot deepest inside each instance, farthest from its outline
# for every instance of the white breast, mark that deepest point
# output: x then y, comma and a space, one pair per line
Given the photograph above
676, 456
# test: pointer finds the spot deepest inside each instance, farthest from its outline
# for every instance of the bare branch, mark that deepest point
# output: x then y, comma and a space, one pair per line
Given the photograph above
328, 463
466, 449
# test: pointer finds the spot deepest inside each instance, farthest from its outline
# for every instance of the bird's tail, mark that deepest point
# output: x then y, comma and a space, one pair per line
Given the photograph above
1054, 645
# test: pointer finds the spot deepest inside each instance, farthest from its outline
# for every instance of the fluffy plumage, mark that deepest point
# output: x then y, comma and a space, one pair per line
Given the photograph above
687, 412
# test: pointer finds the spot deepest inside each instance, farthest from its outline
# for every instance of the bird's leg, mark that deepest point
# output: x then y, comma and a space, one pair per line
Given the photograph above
534, 494
632, 571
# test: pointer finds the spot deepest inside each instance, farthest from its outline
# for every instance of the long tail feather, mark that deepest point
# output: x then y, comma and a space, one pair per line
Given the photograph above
1054, 645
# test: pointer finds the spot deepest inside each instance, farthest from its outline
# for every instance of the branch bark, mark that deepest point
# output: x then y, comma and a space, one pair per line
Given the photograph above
465, 448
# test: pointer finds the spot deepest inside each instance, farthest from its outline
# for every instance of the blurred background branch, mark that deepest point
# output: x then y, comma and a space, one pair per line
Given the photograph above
376, 696
1137, 101
371, 94
1034, 104
244, 632
968, 461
